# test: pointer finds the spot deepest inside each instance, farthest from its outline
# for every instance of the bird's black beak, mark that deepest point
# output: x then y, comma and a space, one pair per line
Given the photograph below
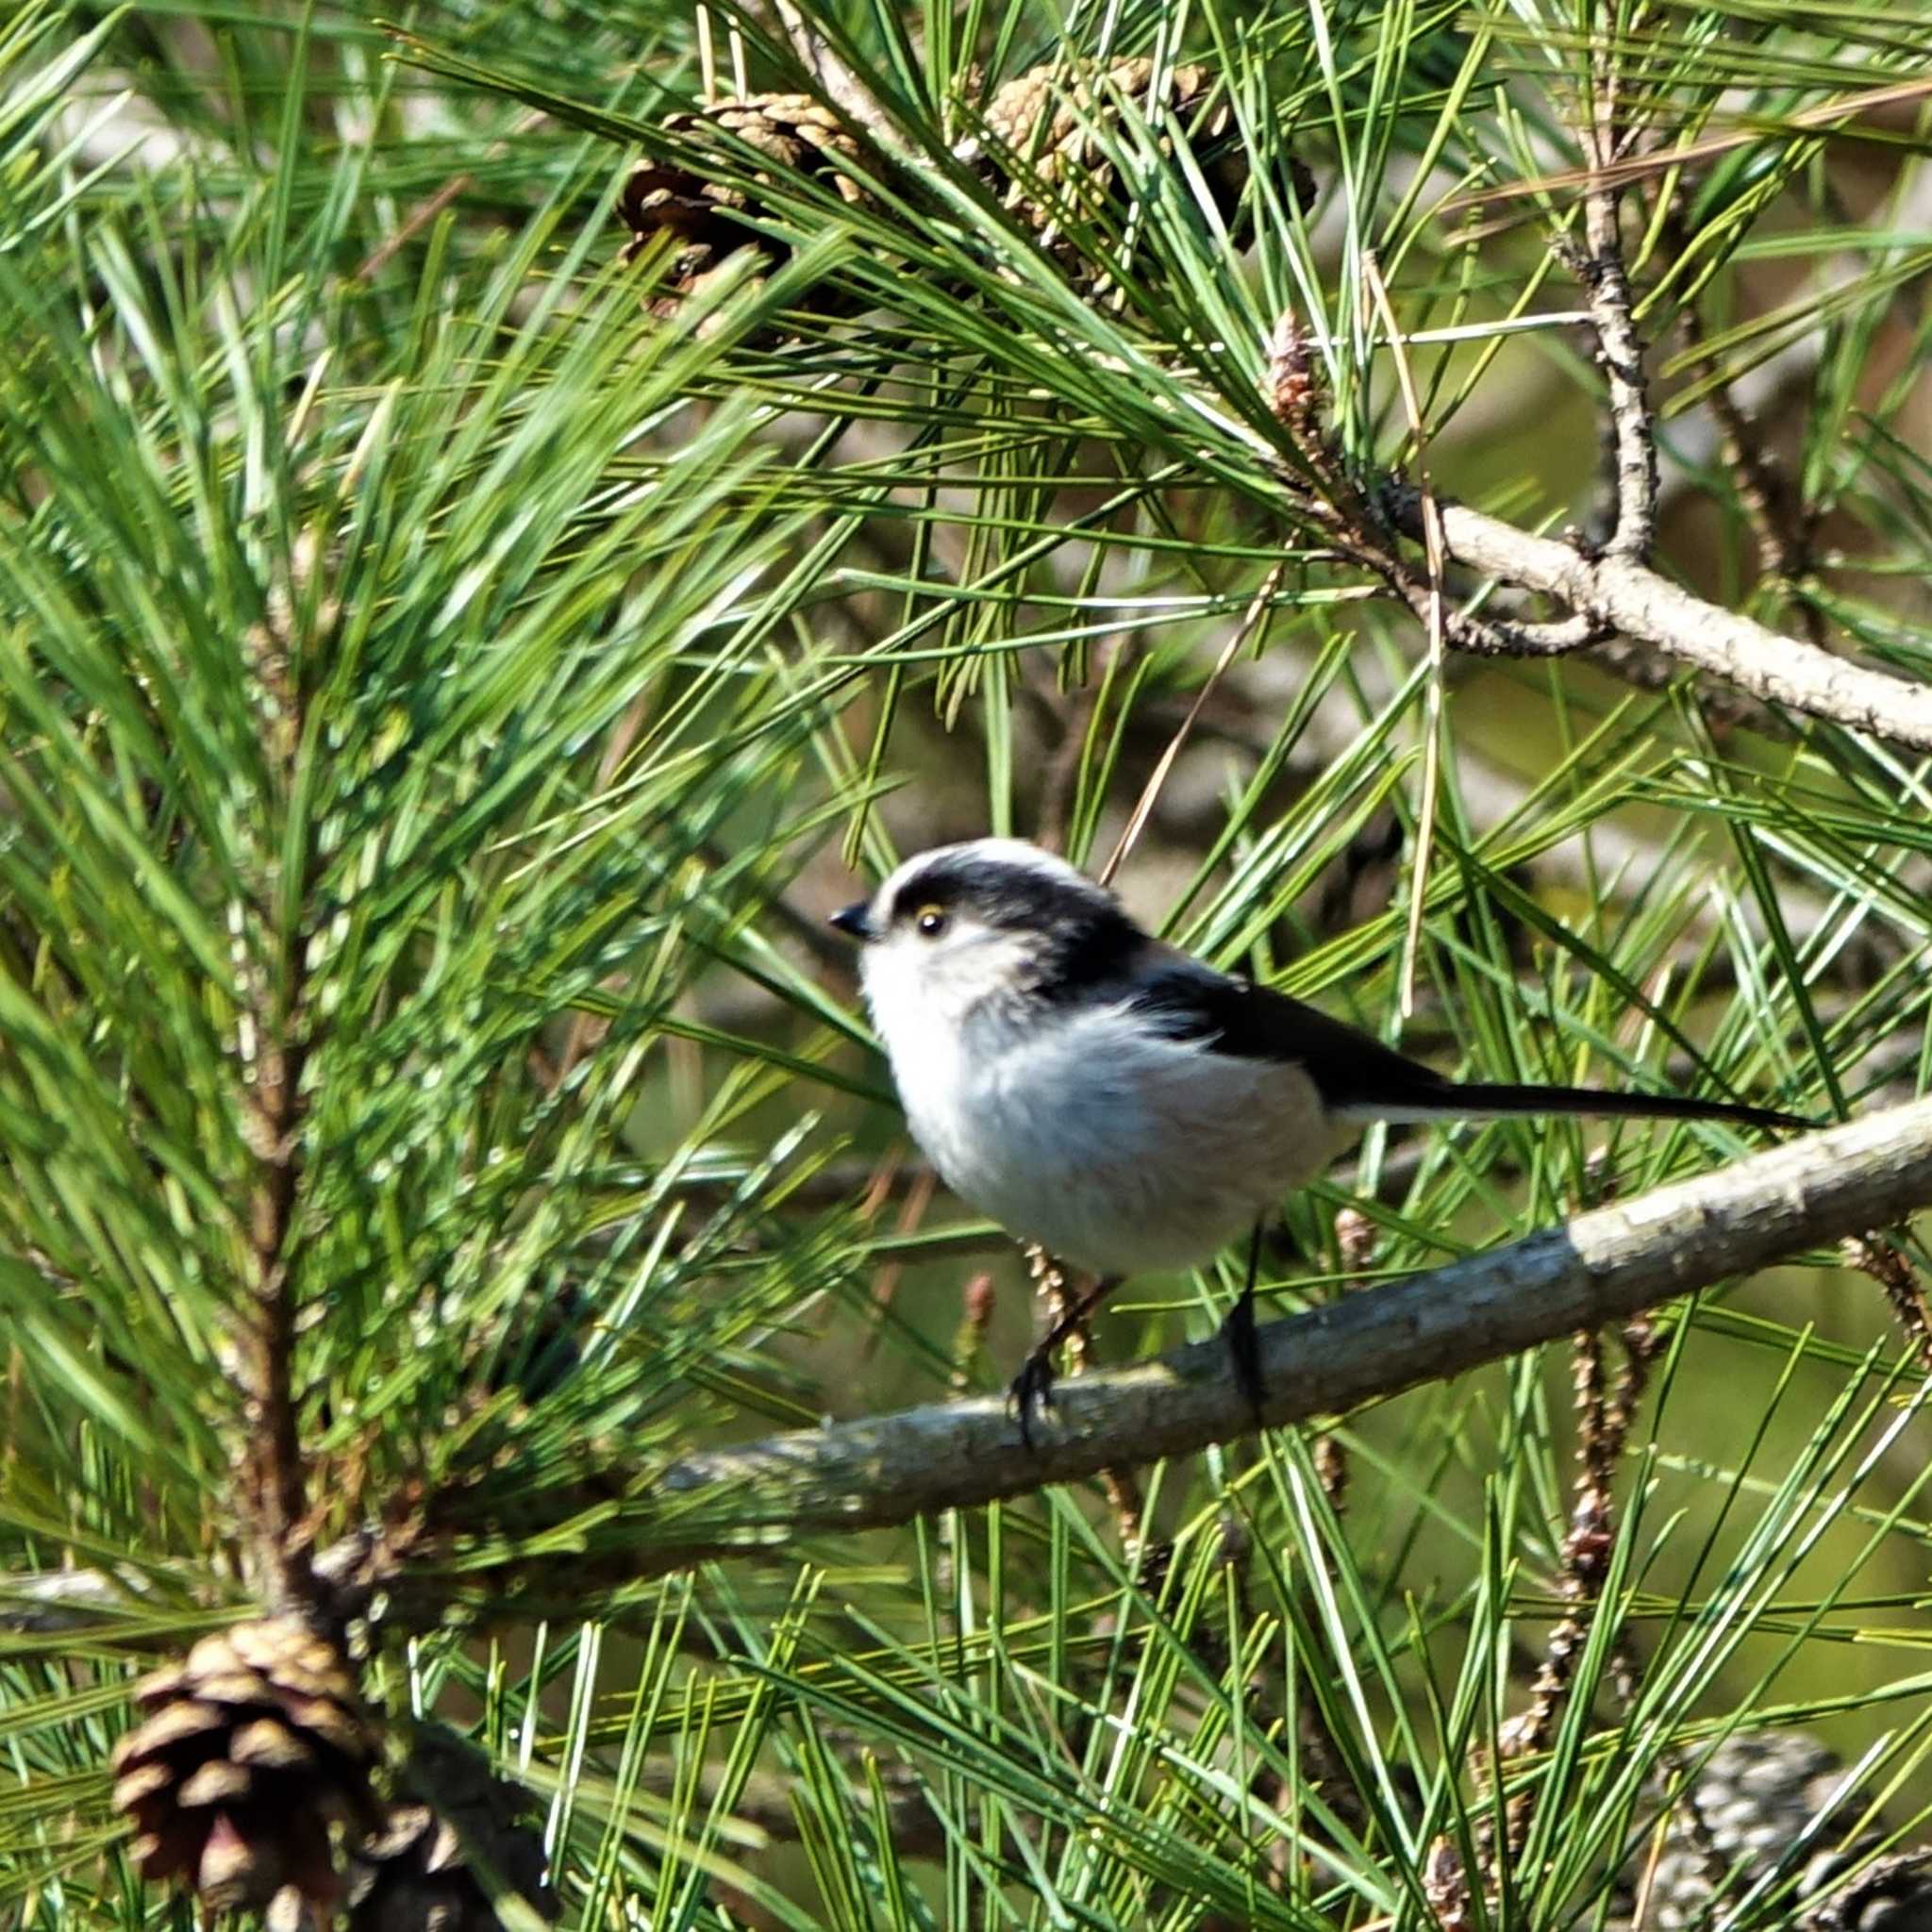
851, 919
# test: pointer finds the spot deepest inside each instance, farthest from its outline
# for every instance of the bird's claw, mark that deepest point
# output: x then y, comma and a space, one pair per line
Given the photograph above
1031, 1390
1245, 1353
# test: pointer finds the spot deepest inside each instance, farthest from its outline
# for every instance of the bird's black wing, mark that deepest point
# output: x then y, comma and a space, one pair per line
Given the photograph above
1248, 1021
1354, 1073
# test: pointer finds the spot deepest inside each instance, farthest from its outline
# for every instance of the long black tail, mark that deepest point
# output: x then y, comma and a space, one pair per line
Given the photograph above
1473, 1100
1362, 1080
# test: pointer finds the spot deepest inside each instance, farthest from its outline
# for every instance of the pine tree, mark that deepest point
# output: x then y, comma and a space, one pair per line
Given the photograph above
506, 520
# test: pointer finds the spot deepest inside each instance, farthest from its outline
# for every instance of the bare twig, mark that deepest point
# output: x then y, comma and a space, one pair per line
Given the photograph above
1636, 600
1604, 591
1620, 352
1356, 525
1615, 590
1602, 1427
836, 78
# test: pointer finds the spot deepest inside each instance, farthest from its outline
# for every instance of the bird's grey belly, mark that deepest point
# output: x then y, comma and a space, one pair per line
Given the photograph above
1124, 1163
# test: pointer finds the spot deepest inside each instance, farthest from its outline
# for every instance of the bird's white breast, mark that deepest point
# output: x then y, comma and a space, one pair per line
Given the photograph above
1116, 1149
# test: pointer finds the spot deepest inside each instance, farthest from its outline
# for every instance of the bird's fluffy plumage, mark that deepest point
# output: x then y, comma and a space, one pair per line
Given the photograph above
1125, 1105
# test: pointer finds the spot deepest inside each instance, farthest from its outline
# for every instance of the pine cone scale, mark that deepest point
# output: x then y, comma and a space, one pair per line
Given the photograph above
252, 1746
1048, 157
419, 1871
217, 1782
699, 201
269, 1742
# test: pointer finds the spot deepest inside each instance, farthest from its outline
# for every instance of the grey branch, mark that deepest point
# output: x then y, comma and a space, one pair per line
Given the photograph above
1600, 1268
1619, 347
1640, 603
836, 78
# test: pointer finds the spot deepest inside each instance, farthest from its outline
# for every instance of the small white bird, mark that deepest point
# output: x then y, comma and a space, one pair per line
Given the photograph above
1124, 1104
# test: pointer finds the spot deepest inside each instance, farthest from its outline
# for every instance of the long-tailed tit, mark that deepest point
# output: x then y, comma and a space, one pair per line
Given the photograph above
1122, 1104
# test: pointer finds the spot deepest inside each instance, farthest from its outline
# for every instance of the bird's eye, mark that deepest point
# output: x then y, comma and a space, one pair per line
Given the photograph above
931, 921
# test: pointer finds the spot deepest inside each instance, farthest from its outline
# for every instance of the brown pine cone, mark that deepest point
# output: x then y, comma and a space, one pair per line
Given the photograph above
253, 1748
701, 205
1043, 152
419, 1873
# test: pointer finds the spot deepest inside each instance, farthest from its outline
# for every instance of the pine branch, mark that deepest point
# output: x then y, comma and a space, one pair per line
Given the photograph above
1619, 349
1637, 601
1601, 1267
276, 1042
1609, 592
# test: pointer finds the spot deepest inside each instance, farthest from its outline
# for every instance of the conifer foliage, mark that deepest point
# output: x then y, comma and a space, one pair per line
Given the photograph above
507, 516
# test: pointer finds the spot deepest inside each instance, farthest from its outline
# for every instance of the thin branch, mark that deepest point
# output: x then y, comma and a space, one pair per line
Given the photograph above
1354, 525
60, 1600
1606, 593
837, 81
1620, 349
274, 1041
274, 1457
1600, 1268
1637, 601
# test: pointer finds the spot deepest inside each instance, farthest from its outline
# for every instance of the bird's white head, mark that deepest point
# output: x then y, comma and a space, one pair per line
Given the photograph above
962, 930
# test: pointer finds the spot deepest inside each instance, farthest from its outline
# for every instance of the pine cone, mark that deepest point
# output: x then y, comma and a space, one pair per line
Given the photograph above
1893, 1895
701, 206
1043, 136
1761, 1797
418, 1874
252, 1748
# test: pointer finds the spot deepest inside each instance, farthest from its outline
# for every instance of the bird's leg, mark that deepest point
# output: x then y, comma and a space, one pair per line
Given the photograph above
1032, 1388
1244, 1344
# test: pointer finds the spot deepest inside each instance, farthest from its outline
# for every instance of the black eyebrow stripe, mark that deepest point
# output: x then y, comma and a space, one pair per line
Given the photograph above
1081, 938
1003, 894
